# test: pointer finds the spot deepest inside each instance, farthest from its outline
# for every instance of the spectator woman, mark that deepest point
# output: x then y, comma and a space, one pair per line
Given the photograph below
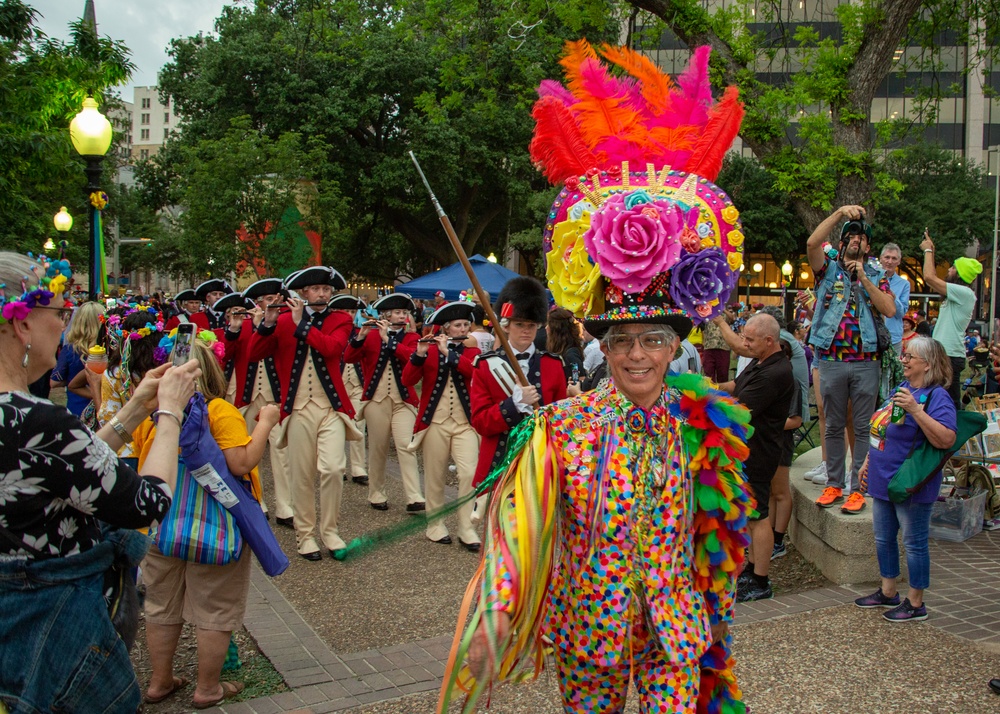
480, 337
929, 417
909, 328
212, 597
564, 337
58, 483
80, 337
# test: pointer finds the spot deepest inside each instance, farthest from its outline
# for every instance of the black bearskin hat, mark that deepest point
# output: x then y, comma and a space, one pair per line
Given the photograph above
525, 300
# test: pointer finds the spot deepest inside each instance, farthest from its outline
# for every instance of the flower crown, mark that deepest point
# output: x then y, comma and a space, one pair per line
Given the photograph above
51, 276
166, 346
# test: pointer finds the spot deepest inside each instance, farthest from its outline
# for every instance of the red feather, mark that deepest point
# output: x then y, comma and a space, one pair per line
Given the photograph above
557, 145
722, 127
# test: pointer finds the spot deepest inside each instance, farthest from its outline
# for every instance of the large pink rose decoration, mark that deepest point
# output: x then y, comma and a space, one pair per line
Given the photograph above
634, 239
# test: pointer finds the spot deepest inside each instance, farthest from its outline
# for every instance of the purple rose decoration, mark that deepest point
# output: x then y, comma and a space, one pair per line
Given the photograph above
700, 284
632, 245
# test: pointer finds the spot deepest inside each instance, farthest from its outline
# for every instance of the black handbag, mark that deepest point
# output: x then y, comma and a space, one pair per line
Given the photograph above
881, 331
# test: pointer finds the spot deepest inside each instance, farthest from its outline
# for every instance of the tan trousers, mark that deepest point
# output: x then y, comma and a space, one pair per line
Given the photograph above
385, 419
461, 442
358, 449
316, 444
279, 458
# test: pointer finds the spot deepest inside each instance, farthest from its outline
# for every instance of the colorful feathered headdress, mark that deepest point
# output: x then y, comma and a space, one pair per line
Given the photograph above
639, 231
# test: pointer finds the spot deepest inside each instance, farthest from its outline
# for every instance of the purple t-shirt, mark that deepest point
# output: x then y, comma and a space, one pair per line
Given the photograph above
896, 440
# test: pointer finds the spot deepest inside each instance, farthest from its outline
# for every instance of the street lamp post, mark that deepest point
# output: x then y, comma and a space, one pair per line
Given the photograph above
996, 230
91, 134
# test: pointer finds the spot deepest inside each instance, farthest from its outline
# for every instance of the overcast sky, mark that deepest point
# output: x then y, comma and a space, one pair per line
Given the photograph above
145, 26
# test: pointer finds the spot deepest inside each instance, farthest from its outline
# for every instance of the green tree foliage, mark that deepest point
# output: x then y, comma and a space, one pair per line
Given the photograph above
829, 156
942, 193
365, 82
769, 222
43, 83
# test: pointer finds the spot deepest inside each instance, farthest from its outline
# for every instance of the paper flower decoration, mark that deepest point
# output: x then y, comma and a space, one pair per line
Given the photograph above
575, 281
701, 282
633, 240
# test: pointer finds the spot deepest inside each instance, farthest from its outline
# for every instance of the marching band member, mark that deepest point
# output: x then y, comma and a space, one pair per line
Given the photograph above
499, 403
442, 428
210, 292
307, 343
354, 382
189, 305
392, 406
257, 383
234, 308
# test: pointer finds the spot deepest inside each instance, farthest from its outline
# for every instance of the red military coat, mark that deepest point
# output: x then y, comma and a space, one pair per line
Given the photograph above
375, 356
198, 318
291, 344
434, 369
494, 413
237, 361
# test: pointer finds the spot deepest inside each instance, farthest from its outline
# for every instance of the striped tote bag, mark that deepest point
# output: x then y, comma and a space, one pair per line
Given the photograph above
197, 528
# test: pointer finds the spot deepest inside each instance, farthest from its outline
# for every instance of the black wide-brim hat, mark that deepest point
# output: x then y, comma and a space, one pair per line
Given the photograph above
458, 310
679, 323
316, 275
267, 286
233, 300
211, 286
347, 302
185, 295
394, 301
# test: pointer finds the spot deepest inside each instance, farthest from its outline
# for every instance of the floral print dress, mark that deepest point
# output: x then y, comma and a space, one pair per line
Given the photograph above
58, 481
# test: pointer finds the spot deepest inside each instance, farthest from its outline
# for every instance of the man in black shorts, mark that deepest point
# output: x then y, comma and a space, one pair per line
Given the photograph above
766, 387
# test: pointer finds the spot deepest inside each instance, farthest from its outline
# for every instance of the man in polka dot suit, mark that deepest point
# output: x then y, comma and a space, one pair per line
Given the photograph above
307, 343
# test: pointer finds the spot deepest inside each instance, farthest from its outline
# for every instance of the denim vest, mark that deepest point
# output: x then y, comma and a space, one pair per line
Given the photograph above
832, 295
58, 649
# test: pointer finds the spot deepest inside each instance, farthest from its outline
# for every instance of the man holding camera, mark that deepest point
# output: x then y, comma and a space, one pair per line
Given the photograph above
849, 290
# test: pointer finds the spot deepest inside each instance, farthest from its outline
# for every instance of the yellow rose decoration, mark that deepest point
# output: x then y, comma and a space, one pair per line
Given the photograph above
730, 214
57, 285
735, 260
575, 282
735, 238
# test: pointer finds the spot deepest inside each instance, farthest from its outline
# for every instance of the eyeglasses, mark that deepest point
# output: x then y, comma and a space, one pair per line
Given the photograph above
907, 356
65, 313
653, 341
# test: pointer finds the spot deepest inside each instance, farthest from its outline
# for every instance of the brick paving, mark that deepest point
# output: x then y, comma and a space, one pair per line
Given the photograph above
964, 600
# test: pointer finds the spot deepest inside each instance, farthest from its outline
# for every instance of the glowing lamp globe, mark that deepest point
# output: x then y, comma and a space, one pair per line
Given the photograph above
62, 220
90, 130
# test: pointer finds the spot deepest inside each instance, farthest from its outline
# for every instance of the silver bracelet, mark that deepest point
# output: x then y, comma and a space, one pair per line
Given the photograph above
120, 429
156, 417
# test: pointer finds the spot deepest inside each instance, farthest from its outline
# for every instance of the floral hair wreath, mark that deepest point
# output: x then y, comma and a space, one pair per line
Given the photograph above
52, 277
162, 352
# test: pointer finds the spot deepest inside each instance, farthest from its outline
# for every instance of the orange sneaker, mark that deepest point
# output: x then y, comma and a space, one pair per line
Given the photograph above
830, 497
855, 504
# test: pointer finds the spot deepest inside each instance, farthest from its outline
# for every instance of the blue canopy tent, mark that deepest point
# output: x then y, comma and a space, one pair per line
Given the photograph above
453, 280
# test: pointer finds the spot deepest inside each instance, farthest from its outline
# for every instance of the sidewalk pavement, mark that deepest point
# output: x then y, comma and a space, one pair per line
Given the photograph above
955, 651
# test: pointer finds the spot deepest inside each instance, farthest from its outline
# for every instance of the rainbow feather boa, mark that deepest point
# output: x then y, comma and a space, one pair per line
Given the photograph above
523, 529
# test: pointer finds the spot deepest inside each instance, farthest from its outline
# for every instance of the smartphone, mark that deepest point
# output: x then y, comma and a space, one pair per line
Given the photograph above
182, 344
575, 377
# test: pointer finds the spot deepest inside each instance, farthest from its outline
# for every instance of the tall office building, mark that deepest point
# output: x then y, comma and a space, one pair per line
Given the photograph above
152, 122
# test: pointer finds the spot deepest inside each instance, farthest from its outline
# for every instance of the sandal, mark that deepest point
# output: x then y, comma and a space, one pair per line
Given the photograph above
229, 690
179, 683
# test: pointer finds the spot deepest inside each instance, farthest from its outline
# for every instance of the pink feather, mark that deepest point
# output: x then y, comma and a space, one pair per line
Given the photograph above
552, 88
690, 105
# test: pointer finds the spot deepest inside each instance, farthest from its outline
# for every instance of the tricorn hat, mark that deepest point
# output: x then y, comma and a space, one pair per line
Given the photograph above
211, 286
347, 302
522, 298
639, 233
267, 286
233, 300
316, 275
394, 301
458, 310
185, 295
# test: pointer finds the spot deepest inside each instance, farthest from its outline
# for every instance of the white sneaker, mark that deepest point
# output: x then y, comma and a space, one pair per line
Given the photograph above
819, 479
819, 470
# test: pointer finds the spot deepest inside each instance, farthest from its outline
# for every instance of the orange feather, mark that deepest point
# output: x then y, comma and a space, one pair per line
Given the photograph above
575, 54
656, 85
557, 145
722, 127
